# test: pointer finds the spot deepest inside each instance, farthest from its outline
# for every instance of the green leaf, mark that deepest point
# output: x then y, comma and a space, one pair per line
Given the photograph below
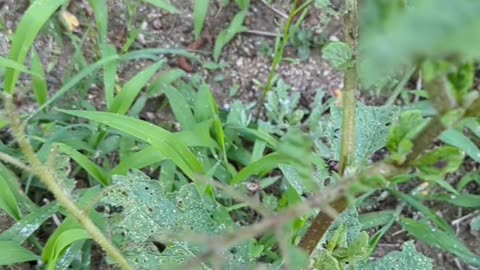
429, 29
8, 202
235, 27
460, 200
338, 54
372, 127
458, 139
463, 79
243, 4
263, 165
440, 239
86, 199
5, 62
408, 258
467, 179
439, 162
163, 4
200, 12
138, 160
475, 224
150, 213
109, 72
63, 241
297, 151
121, 102
100, 9
90, 167
164, 79
166, 142
180, 107
14, 253
69, 85
375, 219
39, 83
26, 226
325, 260
401, 134
27, 30
412, 201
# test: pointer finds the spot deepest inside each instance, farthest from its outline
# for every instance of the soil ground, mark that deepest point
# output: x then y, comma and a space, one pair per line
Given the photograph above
245, 63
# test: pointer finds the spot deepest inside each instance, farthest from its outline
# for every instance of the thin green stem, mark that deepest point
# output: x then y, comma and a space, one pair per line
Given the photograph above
277, 59
47, 177
347, 154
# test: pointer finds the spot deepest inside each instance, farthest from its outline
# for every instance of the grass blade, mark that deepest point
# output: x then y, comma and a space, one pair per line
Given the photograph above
109, 73
89, 196
32, 21
235, 27
375, 219
181, 109
14, 253
138, 160
442, 224
440, 239
165, 141
267, 163
8, 202
460, 200
121, 102
8, 63
76, 79
458, 139
25, 227
100, 9
163, 4
39, 83
200, 11
91, 168
64, 240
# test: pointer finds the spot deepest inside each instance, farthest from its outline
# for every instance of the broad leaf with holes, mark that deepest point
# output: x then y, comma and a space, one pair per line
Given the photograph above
408, 258
144, 216
373, 124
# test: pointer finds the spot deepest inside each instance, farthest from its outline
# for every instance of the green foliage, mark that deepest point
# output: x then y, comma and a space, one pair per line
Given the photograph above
394, 37
39, 83
200, 12
164, 141
338, 54
401, 134
8, 202
149, 212
296, 148
163, 4
373, 125
270, 163
408, 258
440, 239
14, 253
121, 103
235, 27
439, 162
282, 106
32, 21
346, 245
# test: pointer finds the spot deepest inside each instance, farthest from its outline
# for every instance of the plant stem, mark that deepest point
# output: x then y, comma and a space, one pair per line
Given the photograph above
277, 59
347, 154
47, 177
323, 221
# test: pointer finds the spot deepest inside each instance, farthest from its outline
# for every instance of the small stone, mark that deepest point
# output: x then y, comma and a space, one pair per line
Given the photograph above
157, 24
